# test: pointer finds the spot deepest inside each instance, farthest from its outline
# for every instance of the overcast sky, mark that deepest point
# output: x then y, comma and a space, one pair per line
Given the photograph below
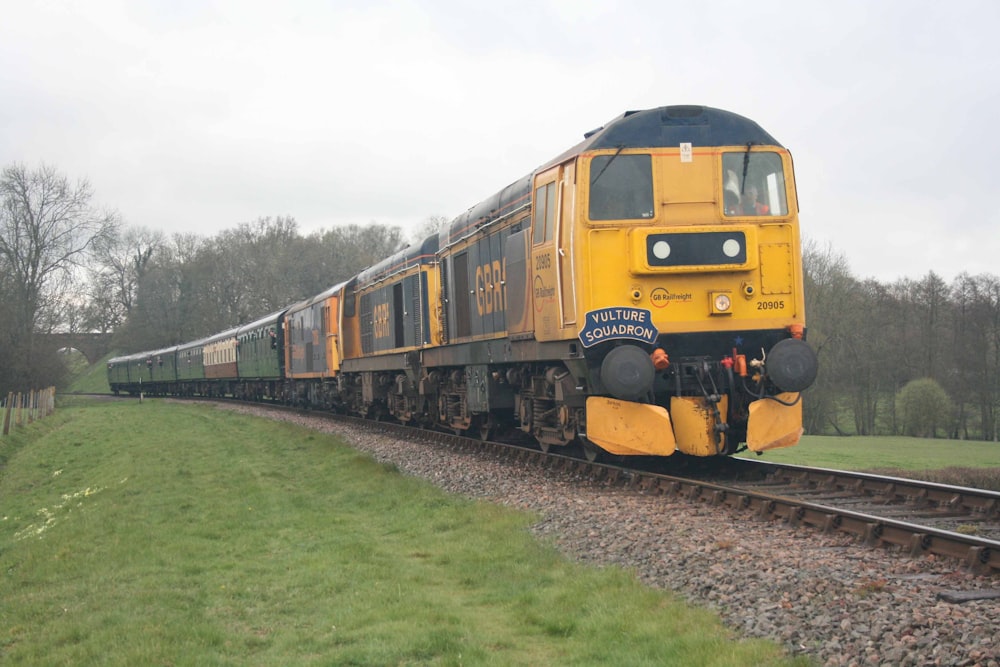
191, 116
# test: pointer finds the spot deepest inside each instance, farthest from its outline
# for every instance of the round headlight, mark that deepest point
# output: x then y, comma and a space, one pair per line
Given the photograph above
722, 302
661, 250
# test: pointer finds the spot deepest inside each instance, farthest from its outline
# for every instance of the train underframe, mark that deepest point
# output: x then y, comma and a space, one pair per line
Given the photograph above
625, 398
694, 404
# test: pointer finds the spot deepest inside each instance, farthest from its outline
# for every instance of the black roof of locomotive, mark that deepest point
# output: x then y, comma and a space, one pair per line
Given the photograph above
651, 128
410, 256
672, 126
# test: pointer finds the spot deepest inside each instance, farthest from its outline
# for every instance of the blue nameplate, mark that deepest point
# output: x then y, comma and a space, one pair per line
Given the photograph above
618, 323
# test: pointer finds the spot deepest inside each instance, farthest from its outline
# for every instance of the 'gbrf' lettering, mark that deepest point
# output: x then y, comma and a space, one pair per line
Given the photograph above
380, 320
489, 288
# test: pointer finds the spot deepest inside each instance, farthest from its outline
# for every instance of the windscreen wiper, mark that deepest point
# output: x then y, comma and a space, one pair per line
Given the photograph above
746, 165
608, 164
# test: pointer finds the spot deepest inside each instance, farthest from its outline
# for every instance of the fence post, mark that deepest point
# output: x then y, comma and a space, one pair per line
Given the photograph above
6, 412
27, 407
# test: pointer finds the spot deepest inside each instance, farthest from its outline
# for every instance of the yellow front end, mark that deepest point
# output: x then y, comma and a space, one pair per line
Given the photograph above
709, 278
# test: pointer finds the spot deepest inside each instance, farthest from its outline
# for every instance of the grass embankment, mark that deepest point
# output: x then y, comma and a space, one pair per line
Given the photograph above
155, 533
92, 378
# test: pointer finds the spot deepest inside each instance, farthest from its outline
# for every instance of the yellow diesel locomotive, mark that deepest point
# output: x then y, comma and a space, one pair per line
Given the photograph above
639, 294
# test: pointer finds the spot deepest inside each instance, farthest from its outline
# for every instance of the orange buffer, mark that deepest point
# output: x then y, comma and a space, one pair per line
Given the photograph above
629, 429
773, 424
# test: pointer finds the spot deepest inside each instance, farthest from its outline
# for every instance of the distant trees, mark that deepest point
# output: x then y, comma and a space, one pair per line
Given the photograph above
48, 229
431, 225
65, 265
120, 262
923, 407
873, 339
193, 287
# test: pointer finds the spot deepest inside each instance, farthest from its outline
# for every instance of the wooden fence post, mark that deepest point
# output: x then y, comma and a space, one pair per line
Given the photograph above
6, 412
27, 407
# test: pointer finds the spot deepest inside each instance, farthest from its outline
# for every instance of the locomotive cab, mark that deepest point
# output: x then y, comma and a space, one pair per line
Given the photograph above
665, 249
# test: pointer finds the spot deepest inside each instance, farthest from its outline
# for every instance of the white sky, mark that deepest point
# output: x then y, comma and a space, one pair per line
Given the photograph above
195, 116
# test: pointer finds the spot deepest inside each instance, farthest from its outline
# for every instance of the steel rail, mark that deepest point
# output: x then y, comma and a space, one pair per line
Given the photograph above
977, 553
979, 503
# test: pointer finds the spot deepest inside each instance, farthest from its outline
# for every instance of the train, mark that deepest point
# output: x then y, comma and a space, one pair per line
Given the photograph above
639, 294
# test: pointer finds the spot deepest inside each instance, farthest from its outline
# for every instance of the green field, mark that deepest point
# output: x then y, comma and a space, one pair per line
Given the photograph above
963, 462
888, 452
162, 534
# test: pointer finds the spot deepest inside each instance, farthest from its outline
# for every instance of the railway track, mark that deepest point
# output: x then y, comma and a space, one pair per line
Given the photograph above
946, 507
919, 518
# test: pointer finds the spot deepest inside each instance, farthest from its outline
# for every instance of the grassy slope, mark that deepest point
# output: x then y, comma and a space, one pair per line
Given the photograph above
93, 379
159, 533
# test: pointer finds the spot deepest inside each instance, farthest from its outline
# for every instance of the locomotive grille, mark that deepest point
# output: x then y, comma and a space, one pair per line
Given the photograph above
415, 311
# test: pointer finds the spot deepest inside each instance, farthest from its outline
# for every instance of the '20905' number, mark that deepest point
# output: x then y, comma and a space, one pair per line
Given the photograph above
770, 305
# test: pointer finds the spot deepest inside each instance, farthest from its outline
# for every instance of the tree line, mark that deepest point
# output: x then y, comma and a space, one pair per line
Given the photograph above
67, 266
918, 357
914, 357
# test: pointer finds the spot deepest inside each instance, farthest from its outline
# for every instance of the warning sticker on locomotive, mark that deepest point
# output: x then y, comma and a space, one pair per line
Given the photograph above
618, 323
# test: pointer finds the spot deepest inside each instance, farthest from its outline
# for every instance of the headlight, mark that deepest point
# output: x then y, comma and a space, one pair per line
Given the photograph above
731, 248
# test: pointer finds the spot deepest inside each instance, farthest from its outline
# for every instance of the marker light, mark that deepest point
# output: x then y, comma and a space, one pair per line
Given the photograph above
721, 303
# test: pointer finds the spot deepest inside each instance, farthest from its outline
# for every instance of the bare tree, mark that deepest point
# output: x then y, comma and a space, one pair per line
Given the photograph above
432, 225
121, 260
47, 229
829, 287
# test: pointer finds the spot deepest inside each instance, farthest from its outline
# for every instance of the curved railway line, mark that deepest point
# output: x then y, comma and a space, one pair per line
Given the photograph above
920, 518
